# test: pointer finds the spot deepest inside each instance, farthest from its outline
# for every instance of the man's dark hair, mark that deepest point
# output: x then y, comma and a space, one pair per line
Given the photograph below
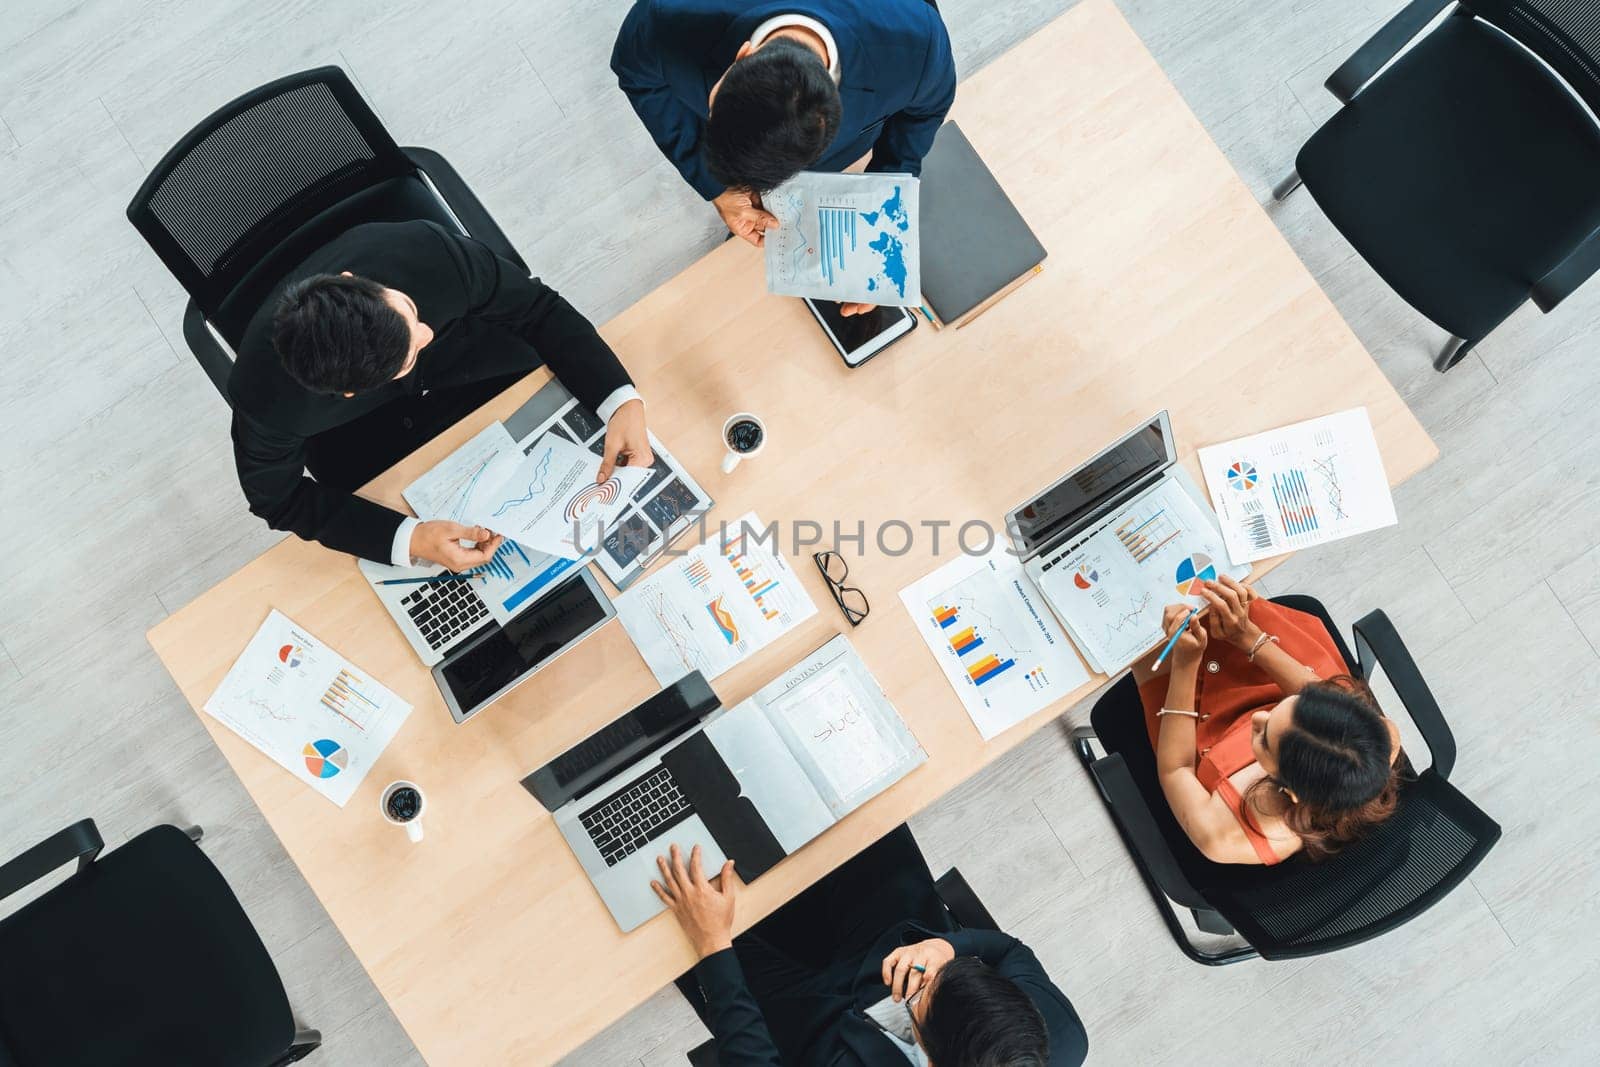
775, 113
977, 1017
337, 334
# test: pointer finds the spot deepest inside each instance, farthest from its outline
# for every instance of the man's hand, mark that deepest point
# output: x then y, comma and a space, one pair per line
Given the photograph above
704, 911
744, 216
627, 440
439, 541
909, 968
856, 309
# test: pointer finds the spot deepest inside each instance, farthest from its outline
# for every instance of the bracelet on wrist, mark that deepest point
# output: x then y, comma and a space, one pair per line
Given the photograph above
1177, 711
1264, 639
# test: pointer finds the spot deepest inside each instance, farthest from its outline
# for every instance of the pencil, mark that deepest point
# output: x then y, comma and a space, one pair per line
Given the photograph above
430, 581
1173, 640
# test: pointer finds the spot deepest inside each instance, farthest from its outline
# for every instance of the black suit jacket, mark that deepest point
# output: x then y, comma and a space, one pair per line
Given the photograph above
489, 319
850, 1039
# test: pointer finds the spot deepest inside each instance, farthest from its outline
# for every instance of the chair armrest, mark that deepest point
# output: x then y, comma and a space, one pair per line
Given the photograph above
1139, 829
962, 903
464, 202
1379, 645
1580, 264
81, 841
215, 360
1381, 47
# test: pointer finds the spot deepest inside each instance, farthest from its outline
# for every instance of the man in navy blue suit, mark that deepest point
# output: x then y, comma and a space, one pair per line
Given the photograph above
741, 96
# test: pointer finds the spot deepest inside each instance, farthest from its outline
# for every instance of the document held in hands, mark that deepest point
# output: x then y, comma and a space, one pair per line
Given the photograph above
548, 499
312, 711
846, 237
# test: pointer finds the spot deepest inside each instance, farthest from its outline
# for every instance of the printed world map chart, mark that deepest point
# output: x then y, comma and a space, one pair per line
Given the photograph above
846, 237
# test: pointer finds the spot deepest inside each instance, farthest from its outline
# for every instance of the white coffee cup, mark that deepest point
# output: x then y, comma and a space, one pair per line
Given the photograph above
413, 821
741, 441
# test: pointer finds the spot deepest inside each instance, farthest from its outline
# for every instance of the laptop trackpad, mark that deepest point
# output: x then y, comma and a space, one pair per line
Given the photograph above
705, 779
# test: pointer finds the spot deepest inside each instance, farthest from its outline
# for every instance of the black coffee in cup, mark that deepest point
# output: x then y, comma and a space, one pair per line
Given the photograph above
404, 804
745, 436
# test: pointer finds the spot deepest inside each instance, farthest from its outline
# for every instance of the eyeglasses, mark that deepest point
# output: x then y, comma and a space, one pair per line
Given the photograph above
851, 601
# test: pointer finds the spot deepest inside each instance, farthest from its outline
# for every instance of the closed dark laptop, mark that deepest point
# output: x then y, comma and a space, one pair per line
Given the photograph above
974, 243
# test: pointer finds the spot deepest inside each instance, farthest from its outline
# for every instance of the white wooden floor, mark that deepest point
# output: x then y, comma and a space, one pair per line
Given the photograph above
120, 504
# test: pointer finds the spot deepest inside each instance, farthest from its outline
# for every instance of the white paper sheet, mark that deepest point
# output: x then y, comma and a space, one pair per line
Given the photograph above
1151, 555
312, 711
548, 500
445, 491
994, 639
849, 237
716, 605
1302, 485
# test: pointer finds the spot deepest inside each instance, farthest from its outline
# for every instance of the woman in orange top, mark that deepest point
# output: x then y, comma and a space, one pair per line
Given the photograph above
1265, 746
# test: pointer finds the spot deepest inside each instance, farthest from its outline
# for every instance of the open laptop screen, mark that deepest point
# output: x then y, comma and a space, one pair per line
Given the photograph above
1087, 490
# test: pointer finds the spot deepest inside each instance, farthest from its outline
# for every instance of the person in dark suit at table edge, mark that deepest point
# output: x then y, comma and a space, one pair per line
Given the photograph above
866, 968
376, 342
740, 97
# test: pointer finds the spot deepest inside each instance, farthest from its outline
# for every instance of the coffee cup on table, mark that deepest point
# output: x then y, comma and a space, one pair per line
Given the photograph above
402, 804
744, 435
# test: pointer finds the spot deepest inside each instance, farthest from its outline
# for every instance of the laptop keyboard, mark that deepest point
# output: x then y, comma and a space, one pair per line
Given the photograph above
444, 610
635, 815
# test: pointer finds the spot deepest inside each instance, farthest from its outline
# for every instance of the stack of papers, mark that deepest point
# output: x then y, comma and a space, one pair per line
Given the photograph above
1302, 485
994, 639
715, 606
314, 712
846, 237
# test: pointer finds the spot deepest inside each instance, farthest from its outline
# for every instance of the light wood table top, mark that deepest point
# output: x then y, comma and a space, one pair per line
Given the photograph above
1166, 287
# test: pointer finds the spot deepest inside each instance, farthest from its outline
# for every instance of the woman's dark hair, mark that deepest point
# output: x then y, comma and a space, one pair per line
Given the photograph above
775, 113
977, 1017
337, 334
1334, 758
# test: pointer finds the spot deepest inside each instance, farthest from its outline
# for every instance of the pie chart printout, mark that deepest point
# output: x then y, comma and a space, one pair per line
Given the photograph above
325, 758
1193, 572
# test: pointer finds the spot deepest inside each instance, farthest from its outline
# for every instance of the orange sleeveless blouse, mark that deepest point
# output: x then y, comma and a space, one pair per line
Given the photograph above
1229, 690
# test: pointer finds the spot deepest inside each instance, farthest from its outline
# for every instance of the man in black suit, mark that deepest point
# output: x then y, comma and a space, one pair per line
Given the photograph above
866, 968
379, 340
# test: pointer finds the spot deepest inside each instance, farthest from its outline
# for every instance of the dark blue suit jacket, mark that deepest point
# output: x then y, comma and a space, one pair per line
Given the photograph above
897, 76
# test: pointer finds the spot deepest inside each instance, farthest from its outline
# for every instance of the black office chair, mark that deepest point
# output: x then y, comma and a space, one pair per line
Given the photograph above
141, 956
1296, 908
1468, 174
959, 900
269, 178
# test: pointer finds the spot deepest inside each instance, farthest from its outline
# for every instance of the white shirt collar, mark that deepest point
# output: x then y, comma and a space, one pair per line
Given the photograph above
784, 22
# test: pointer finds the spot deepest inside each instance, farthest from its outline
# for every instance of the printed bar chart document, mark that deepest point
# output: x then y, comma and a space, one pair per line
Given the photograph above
716, 605
994, 639
846, 237
1302, 485
316, 714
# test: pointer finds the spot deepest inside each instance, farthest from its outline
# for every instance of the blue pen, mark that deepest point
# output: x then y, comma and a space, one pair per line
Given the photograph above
1173, 640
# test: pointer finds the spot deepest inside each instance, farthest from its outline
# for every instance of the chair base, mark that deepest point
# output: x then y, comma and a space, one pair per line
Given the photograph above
1281, 191
1453, 352
1208, 921
305, 1043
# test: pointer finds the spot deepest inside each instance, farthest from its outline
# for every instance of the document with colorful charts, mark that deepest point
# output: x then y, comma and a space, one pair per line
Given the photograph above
315, 713
994, 639
1156, 552
1298, 486
547, 499
717, 604
849, 237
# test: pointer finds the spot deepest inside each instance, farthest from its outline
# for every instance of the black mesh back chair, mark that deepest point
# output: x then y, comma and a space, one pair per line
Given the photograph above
139, 957
1467, 173
266, 180
1298, 907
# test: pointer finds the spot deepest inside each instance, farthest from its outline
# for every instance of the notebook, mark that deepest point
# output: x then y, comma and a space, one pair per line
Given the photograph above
976, 247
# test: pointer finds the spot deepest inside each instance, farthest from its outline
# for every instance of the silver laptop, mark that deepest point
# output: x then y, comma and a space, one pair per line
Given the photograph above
737, 782
1054, 523
477, 653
